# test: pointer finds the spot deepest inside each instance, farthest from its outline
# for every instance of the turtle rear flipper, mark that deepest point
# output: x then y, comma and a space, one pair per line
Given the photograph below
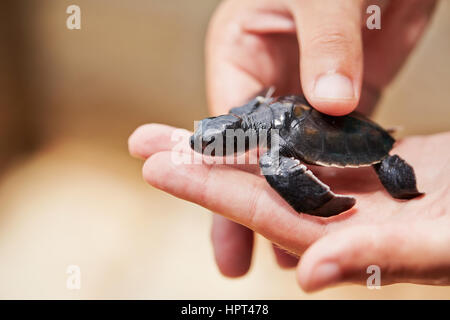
397, 177
300, 188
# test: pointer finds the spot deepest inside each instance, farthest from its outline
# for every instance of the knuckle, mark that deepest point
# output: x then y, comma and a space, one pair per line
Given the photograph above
331, 41
254, 207
223, 17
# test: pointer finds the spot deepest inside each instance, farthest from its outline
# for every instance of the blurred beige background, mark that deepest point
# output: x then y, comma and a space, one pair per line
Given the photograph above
69, 192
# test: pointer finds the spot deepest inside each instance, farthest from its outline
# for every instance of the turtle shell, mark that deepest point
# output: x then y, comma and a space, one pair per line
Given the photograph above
346, 141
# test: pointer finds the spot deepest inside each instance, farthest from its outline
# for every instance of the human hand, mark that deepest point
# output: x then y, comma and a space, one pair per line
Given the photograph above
320, 48
408, 240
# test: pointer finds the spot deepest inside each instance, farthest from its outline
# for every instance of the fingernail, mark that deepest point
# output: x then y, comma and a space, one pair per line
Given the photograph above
324, 274
334, 86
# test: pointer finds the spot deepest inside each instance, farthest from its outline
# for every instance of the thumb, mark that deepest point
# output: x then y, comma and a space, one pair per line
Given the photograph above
331, 57
415, 254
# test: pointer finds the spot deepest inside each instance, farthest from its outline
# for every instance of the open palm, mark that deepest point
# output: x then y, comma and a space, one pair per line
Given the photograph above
408, 240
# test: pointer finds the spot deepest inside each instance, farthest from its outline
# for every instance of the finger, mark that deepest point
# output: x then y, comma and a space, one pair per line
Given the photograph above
250, 45
240, 196
401, 254
233, 246
151, 138
331, 63
284, 258
227, 84
232, 242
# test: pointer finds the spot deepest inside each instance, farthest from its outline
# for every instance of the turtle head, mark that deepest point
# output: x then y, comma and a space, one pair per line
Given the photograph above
211, 129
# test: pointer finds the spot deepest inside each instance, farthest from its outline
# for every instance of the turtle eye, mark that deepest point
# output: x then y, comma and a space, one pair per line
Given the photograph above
300, 108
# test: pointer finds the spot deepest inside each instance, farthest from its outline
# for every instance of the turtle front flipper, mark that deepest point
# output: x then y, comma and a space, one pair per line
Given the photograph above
300, 188
397, 177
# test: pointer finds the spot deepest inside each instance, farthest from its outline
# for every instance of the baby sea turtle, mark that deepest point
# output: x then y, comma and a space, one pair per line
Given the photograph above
306, 135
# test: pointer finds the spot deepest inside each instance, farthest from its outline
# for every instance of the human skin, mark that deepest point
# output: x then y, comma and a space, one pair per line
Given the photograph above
408, 240
290, 44
256, 44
